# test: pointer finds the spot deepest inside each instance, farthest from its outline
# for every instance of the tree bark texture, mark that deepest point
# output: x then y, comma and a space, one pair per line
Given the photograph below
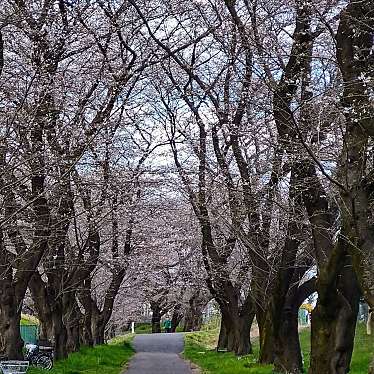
234, 334
237, 321
156, 318
14, 281
288, 358
334, 321
176, 317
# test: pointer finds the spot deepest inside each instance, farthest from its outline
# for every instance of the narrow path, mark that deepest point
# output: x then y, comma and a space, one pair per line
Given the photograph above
158, 354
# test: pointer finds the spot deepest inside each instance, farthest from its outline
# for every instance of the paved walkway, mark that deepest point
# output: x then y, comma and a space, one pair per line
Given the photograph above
158, 354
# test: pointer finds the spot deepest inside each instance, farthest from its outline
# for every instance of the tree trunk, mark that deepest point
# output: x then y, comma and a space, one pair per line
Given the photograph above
354, 54
98, 329
86, 331
46, 328
44, 303
156, 323
223, 337
287, 349
332, 338
156, 318
71, 320
48, 303
196, 321
236, 333
99, 334
10, 338
266, 355
333, 326
59, 334
238, 337
193, 319
10, 311
176, 318
73, 337
14, 281
236, 319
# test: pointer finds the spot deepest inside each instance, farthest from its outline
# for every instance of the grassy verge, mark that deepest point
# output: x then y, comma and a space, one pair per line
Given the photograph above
146, 328
199, 348
104, 359
143, 328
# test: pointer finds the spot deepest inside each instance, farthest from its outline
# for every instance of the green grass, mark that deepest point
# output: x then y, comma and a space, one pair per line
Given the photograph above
363, 351
104, 359
146, 328
143, 328
199, 348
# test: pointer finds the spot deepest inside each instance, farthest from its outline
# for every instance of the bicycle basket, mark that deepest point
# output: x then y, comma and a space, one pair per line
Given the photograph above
14, 367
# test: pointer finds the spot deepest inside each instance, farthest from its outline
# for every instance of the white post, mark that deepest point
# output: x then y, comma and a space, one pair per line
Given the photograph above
133, 327
370, 323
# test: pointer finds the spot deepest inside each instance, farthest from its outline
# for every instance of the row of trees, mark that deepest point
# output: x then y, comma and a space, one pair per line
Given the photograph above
268, 114
254, 118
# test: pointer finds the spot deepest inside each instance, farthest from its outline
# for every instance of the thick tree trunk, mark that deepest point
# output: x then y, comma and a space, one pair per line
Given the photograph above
266, 355
84, 296
44, 303
10, 311
236, 320
86, 331
244, 345
332, 338
10, 338
98, 329
238, 337
50, 313
46, 328
193, 320
59, 334
156, 318
222, 338
99, 334
287, 349
156, 323
176, 318
73, 337
14, 281
354, 54
334, 318
71, 319
287, 295
236, 334
333, 326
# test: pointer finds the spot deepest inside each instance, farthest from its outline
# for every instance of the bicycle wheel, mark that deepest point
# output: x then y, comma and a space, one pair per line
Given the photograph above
44, 362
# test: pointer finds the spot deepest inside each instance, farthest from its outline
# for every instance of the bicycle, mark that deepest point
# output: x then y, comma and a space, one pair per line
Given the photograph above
40, 355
